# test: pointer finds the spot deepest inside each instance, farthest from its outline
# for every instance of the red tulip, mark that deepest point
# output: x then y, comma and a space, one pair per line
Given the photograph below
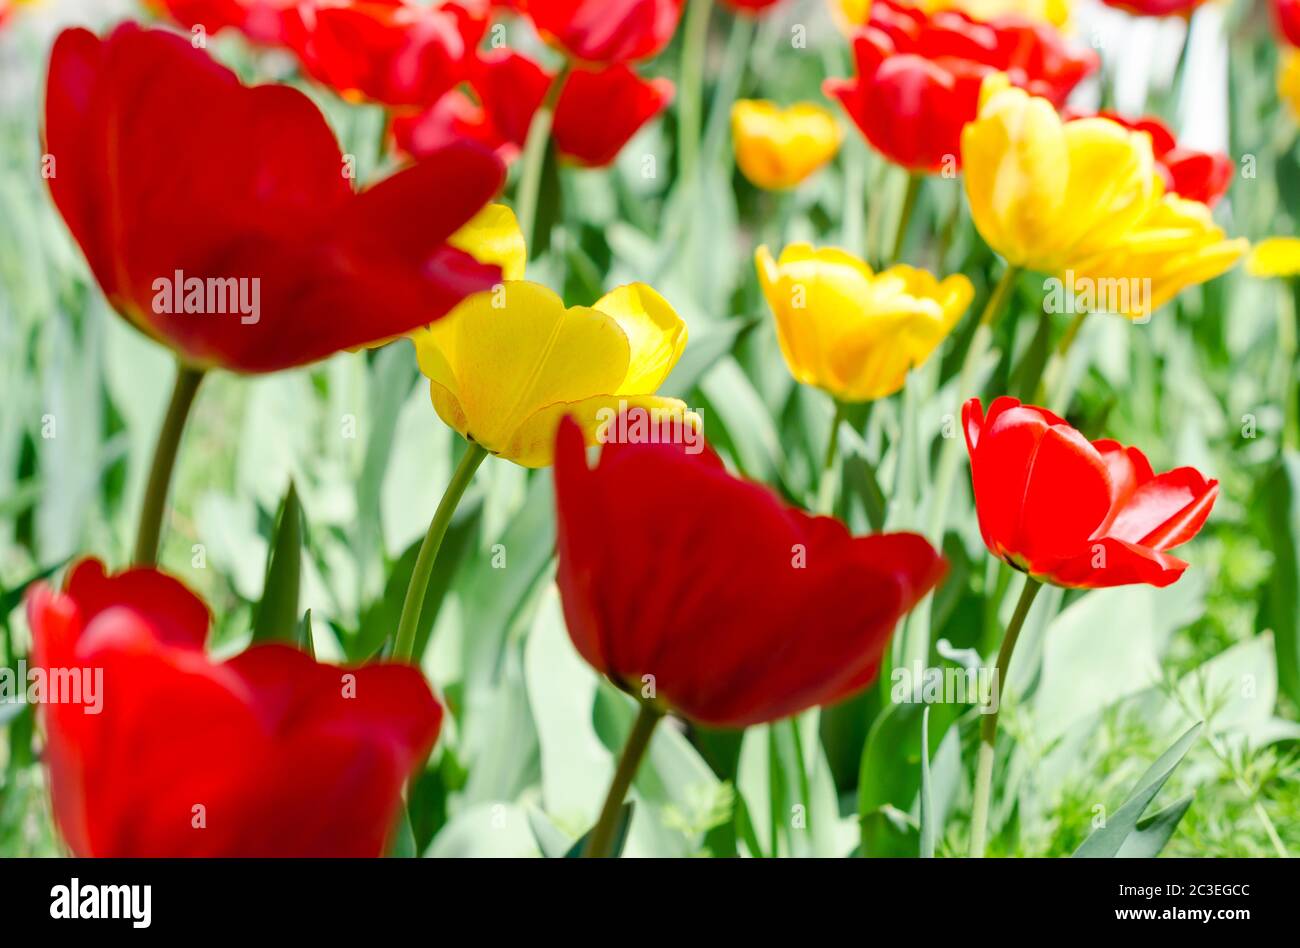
267, 754
1286, 14
752, 7
598, 111
743, 610
262, 21
918, 76
605, 31
1181, 8
393, 52
1075, 513
221, 220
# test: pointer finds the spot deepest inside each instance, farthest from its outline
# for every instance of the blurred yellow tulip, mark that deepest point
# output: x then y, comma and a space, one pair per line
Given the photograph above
778, 148
852, 332
506, 365
851, 14
1275, 257
1045, 193
1288, 80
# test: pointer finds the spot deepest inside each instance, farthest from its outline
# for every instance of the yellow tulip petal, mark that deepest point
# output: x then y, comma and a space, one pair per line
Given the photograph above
492, 236
656, 335
533, 443
1275, 257
778, 148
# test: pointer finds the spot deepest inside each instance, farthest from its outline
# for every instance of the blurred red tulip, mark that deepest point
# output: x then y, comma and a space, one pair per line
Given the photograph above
1286, 14
753, 7
918, 76
1181, 8
1196, 175
262, 21
1075, 513
741, 609
267, 754
393, 52
599, 110
605, 31
250, 258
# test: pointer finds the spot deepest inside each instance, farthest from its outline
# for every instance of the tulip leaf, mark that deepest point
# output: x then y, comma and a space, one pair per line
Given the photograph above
401, 845
1281, 501
928, 829
1154, 832
620, 834
302, 634
1108, 840
714, 342
551, 840
277, 614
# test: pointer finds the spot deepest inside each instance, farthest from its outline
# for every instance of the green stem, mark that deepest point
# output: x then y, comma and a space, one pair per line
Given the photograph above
1049, 389
534, 157
989, 723
826, 489
1288, 329
694, 48
905, 215
404, 647
949, 455
600, 844
164, 460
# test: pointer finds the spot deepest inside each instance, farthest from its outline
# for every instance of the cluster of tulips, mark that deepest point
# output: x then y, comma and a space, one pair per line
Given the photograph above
701, 594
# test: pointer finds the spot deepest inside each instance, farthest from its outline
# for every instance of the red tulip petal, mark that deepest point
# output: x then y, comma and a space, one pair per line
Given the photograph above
1111, 562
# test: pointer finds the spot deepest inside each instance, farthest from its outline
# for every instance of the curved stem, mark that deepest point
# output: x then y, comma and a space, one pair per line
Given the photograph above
534, 157
949, 455
1047, 392
905, 215
694, 47
600, 844
164, 460
989, 724
404, 647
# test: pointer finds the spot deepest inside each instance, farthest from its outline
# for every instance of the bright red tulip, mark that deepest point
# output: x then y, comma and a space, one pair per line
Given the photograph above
1286, 14
918, 76
1181, 8
253, 257
262, 21
752, 7
605, 31
267, 754
1075, 513
599, 110
393, 52
742, 609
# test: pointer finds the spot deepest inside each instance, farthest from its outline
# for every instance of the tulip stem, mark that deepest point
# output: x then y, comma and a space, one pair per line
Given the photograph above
905, 215
949, 453
164, 460
404, 646
989, 722
600, 844
826, 489
695, 43
534, 157
1048, 390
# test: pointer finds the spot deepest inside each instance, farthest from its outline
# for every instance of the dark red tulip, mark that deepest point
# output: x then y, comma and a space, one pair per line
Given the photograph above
1196, 175
918, 76
393, 52
1286, 14
1075, 513
598, 111
742, 609
153, 171
605, 31
1181, 8
266, 754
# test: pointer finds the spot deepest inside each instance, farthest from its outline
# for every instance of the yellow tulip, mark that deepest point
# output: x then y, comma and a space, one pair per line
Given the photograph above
852, 332
1275, 257
492, 236
1176, 246
851, 14
1045, 193
778, 148
1288, 80
506, 365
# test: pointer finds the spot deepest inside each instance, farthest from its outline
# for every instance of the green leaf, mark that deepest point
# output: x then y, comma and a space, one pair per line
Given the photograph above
1155, 831
277, 614
620, 834
302, 635
928, 829
401, 845
1281, 502
1109, 840
551, 840
713, 344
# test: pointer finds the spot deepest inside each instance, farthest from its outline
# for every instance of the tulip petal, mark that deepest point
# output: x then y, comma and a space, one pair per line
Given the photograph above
656, 335
666, 418
1167, 510
1110, 562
